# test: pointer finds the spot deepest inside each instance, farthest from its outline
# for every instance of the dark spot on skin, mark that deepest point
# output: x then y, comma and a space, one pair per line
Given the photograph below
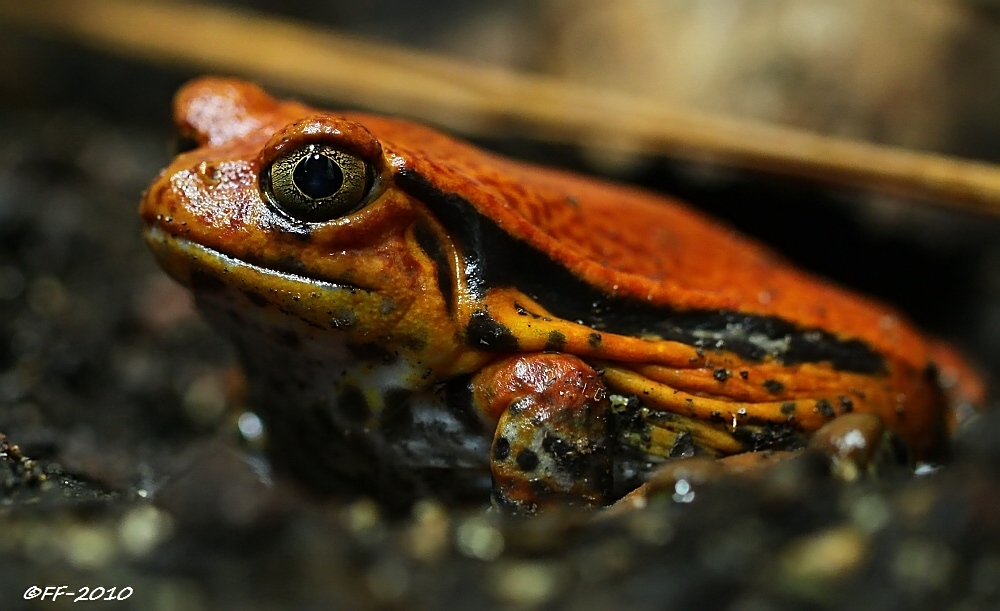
415, 343
351, 402
720, 374
428, 242
527, 461
846, 405
683, 446
745, 374
556, 341
484, 331
501, 449
773, 386
788, 408
716, 416
594, 340
823, 407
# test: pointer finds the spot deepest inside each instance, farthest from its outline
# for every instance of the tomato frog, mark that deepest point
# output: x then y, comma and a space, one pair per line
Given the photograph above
417, 316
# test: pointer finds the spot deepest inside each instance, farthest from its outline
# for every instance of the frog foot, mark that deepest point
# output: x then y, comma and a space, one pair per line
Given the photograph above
854, 445
551, 442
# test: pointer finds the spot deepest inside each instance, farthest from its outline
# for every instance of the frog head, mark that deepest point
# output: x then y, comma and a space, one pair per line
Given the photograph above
287, 220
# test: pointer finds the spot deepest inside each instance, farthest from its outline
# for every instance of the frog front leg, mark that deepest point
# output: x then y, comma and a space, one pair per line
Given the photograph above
551, 443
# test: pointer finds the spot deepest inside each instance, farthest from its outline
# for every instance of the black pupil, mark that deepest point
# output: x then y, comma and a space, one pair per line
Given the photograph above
317, 176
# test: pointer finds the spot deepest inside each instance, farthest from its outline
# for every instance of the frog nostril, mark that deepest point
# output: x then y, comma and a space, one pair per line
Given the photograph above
209, 172
318, 176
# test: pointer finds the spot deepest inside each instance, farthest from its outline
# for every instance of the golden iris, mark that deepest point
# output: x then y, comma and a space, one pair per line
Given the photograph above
317, 183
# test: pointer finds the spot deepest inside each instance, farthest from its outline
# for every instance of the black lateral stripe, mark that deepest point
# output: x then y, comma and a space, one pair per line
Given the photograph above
429, 243
495, 259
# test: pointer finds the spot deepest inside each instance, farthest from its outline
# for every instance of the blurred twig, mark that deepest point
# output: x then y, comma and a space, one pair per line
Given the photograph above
481, 100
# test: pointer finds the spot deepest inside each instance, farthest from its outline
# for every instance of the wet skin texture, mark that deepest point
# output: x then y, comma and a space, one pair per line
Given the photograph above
453, 322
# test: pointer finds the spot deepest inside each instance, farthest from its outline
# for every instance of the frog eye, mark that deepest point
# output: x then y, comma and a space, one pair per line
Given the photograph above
317, 182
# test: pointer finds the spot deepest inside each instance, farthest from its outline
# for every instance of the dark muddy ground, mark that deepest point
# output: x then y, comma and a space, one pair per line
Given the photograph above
122, 466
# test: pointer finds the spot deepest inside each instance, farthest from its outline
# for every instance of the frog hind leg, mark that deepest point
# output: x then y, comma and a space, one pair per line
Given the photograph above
551, 445
849, 446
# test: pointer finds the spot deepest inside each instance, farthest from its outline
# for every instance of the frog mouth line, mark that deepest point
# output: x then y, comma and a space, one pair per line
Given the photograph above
221, 262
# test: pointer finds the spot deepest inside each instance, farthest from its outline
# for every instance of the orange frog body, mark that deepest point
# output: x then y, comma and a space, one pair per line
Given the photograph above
418, 316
